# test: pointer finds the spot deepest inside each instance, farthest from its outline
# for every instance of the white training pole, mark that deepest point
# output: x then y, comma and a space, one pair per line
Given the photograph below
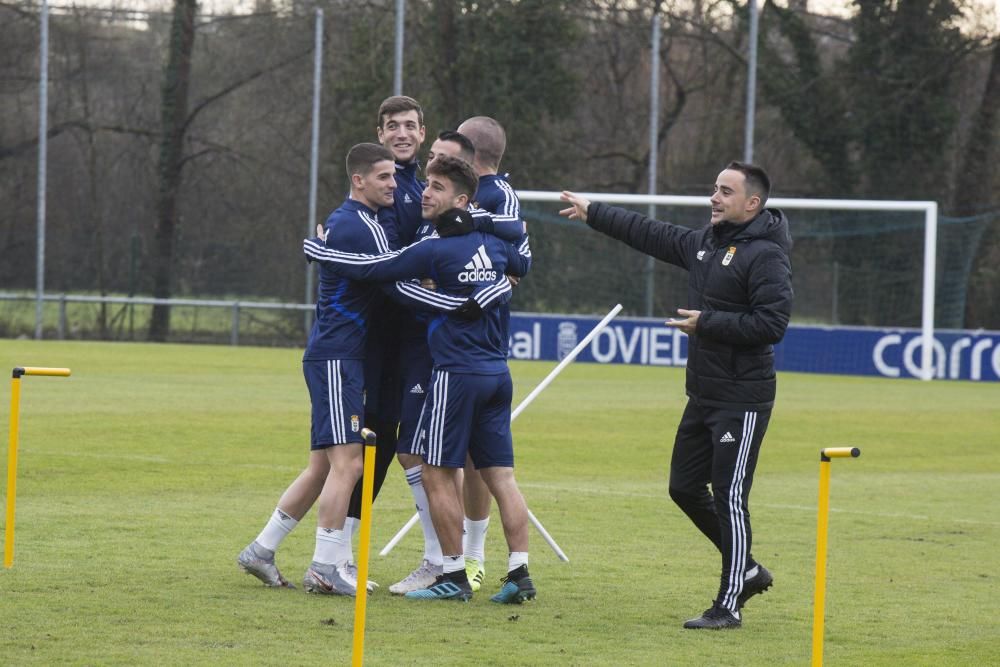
567, 360
548, 538
402, 533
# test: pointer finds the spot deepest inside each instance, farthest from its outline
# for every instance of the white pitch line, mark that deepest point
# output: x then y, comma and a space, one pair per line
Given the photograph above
99, 455
157, 459
547, 487
888, 515
803, 508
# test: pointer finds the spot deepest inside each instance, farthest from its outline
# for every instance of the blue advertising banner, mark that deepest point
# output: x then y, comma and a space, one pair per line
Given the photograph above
896, 353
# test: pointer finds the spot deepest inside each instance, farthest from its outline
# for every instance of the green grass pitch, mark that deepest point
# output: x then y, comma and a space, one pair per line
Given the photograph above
144, 474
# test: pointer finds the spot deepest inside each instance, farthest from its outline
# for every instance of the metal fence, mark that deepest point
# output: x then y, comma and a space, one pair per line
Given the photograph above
235, 307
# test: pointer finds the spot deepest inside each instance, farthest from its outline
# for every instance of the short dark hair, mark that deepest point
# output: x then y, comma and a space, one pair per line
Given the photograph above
399, 104
362, 157
456, 170
489, 138
757, 181
468, 150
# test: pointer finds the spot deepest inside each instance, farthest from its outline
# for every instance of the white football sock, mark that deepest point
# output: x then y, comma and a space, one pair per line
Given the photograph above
351, 528
454, 564
516, 560
474, 540
332, 547
432, 547
277, 528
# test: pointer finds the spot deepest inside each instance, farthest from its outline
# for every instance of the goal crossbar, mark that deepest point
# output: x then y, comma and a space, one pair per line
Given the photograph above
929, 209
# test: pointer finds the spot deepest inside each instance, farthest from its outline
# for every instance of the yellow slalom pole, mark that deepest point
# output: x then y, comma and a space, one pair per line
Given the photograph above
822, 524
361, 593
15, 408
8, 535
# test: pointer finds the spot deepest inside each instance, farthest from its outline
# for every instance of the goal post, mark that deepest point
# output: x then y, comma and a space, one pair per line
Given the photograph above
929, 209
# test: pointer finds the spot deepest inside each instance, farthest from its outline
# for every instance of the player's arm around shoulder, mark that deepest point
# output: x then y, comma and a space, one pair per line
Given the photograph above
414, 261
412, 295
518, 256
352, 249
506, 227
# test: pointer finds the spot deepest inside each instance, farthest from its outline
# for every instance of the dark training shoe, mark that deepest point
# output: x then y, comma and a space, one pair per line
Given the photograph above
517, 587
445, 587
755, 585
715, 618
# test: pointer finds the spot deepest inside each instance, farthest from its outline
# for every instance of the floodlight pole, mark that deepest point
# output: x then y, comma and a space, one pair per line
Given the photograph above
751, 83
43, 146
314, 156
397, 73
654, 123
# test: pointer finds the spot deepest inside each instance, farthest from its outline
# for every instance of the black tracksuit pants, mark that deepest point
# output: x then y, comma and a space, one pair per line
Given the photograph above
719, 447
385, 453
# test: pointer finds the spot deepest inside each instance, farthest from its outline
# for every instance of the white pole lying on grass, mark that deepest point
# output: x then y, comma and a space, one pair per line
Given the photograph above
567, 360
400, 535
548, 538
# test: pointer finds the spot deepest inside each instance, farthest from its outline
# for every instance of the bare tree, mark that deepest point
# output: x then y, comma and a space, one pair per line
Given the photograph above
174, 123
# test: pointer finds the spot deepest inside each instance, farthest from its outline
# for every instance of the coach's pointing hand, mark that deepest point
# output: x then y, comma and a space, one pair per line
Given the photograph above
578, 211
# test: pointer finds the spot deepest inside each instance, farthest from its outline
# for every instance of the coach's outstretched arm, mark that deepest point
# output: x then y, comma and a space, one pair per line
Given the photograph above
665, 241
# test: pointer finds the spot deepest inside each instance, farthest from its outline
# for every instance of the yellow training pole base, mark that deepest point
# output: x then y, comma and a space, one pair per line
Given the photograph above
364, 539
15, 408
822, 525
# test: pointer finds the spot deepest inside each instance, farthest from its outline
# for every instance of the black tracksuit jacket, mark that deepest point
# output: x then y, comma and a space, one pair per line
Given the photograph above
740, 278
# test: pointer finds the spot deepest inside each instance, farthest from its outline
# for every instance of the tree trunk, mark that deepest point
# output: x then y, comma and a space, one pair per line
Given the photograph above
977, 172
174, 110
975, 192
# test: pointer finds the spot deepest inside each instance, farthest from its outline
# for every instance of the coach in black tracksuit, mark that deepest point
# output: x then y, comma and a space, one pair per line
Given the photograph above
739, 302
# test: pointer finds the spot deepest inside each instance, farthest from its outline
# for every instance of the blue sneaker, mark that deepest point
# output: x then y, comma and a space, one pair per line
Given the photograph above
444, 589
517, 587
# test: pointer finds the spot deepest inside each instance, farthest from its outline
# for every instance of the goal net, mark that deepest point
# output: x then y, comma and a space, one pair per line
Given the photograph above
854, 262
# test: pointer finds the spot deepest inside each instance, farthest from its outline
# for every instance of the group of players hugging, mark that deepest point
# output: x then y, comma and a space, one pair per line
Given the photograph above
410, 340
